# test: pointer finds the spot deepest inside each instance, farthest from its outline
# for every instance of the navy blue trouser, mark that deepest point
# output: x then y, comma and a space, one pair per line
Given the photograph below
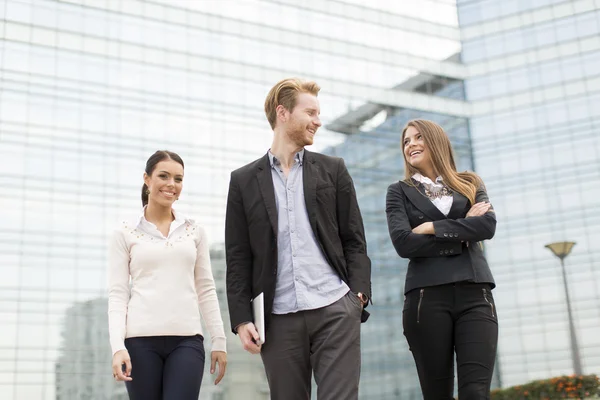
165, 367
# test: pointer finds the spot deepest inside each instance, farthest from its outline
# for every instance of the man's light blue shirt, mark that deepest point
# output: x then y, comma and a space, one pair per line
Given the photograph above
305, 280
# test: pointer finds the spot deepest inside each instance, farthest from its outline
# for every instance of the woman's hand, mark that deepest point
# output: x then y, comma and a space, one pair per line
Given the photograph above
220, 358
121, 357
478, 209
426, 228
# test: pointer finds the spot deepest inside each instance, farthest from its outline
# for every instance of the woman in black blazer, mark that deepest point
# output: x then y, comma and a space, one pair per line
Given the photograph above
437, 218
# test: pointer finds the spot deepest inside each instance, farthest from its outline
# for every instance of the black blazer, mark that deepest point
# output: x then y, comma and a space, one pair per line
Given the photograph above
453, 254
251, 230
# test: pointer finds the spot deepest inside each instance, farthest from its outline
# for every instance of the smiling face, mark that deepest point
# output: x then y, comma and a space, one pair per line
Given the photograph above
165, 183
303, 122
415, 149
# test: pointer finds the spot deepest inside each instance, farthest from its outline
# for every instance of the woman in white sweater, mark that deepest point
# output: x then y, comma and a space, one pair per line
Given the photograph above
154, 321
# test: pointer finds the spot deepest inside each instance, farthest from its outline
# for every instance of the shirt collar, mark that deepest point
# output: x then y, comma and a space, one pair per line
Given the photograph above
298, 157
180, 219
425, 180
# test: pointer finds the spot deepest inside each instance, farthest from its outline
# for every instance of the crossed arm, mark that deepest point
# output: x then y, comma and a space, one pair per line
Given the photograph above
439, 238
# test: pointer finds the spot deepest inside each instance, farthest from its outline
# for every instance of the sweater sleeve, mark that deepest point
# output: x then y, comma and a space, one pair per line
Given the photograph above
118, 290
207, 294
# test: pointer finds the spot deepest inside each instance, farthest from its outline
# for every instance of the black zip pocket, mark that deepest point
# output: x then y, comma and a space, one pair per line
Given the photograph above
485, 297
419, 305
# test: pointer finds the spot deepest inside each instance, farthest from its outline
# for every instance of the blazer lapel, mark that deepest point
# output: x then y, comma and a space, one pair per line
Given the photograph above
265, 182
309, 177
422, 202
459, 203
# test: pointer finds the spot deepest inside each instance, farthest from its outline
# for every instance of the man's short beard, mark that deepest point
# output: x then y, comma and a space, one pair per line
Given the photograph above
297, 135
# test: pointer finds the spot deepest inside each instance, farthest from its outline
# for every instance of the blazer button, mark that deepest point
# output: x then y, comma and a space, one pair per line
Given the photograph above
441, 252
445, 251
420, 217
445, 235
456, 235
451, 251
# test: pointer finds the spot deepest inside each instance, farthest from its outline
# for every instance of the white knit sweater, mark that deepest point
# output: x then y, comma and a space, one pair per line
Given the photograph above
171, 283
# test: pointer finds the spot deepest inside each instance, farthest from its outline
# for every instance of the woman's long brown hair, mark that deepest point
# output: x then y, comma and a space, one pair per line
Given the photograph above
442, 158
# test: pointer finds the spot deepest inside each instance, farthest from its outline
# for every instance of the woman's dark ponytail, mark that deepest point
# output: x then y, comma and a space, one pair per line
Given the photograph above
144, 195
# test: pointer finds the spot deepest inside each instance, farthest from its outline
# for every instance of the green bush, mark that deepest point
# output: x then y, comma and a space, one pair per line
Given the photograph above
562, 387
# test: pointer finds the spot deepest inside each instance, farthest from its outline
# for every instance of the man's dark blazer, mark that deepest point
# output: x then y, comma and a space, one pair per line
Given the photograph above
453, 254
251, 231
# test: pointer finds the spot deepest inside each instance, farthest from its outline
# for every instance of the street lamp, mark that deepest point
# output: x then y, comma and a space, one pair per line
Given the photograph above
562, 250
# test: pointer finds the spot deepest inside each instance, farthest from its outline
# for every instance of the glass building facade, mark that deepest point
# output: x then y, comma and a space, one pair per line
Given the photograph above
534, 89
91, 88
